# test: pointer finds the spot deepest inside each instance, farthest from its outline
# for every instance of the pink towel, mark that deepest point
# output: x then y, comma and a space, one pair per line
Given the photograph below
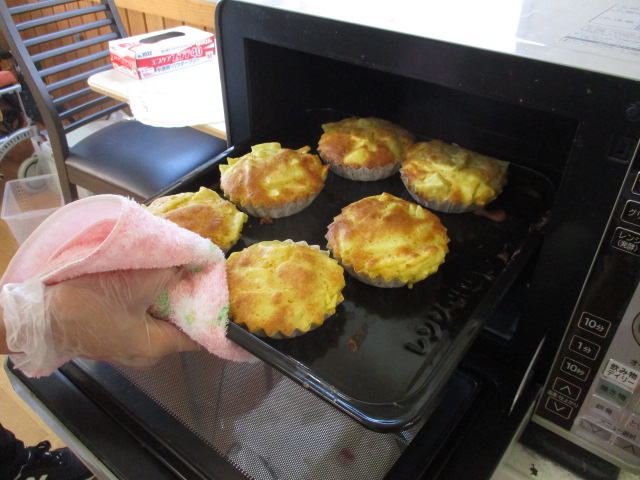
105, 233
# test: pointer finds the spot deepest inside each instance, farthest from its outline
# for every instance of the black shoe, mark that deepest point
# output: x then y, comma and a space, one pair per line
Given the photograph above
59, 464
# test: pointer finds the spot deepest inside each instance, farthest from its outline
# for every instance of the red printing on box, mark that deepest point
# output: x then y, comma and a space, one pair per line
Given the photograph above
139, 59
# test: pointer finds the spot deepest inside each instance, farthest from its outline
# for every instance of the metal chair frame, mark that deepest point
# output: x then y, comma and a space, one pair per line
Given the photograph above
45, 44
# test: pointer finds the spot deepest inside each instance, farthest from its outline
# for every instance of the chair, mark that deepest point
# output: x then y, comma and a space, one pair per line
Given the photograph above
57, 45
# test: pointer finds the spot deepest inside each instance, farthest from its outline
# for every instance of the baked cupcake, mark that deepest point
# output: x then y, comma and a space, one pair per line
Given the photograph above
452, 179
203, 212
386, 241
273, 182
283, 289
364, 149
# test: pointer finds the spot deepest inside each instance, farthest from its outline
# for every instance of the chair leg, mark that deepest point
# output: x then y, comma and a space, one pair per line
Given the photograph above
69, 191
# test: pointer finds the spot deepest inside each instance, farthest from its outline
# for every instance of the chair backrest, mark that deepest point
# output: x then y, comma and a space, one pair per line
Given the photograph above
57, 45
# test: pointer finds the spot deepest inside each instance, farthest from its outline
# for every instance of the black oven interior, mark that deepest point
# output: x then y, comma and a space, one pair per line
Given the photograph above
284, 82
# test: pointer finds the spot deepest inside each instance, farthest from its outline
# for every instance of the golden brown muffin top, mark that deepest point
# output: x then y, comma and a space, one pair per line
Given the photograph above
386, 236
364, 142
449, 172
271, 175
203, 212
282, 287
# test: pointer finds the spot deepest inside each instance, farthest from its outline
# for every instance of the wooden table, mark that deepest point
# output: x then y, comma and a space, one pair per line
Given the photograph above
118, 85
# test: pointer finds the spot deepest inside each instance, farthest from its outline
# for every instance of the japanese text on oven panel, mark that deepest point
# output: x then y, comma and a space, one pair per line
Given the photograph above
621, 374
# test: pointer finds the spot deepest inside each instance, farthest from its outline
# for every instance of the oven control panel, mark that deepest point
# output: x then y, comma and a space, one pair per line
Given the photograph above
609, 415
592, 395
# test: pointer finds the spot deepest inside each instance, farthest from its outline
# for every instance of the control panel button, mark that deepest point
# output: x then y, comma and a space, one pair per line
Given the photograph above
584, 347
622, 148
567, 389
635, 188
575, 369
596, 325
627, 446
631, 212
612, 392
558, 407
605, 409
635, 328
621, 374
633, 426
626, 240
595, 430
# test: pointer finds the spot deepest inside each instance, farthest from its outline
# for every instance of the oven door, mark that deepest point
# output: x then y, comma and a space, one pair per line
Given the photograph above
195, 416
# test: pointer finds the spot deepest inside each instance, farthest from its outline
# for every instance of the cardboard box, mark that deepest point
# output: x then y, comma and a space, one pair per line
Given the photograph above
159, 52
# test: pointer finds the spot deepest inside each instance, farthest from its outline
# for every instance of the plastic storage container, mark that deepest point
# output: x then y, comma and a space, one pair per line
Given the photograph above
28, 201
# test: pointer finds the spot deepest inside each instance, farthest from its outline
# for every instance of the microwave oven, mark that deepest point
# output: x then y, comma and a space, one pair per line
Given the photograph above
536, 317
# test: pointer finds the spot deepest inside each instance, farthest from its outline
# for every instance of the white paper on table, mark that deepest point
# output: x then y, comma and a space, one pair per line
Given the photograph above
186, 97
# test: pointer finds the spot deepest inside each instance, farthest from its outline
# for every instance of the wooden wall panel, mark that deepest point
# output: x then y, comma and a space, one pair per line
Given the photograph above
196, 13
66, 57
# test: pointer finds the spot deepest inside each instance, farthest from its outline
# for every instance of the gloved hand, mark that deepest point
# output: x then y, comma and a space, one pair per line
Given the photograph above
99, 316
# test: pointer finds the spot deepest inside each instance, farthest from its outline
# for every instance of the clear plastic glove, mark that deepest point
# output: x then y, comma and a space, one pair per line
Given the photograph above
100, 317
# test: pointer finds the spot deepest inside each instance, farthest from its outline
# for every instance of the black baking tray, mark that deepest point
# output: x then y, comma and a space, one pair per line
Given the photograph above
386, 353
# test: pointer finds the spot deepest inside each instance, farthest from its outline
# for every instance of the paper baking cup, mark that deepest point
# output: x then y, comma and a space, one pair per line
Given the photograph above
280, 211
364, 174
296, 333
279, 335
445, 206
374, 282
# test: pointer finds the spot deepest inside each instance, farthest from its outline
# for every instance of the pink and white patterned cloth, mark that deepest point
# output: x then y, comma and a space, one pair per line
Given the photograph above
105, 233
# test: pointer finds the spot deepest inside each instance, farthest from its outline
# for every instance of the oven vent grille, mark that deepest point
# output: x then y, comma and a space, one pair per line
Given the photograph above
263, 423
